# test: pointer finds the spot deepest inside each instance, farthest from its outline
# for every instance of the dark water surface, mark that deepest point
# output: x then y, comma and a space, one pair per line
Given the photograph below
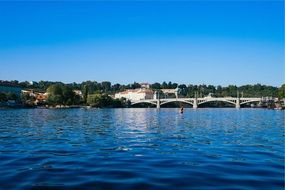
141, 149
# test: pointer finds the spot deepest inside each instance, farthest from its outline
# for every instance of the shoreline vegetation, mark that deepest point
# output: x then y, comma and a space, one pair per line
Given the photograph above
91, 94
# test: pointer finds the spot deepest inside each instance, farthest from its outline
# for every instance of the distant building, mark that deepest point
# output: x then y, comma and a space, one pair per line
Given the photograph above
136, 94
30, 92
145, 85
78, 92
41, 98
32, 82
210, 95
38, 96
167, 92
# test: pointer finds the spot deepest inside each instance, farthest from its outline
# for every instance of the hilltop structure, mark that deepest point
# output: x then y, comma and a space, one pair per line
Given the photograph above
136, 94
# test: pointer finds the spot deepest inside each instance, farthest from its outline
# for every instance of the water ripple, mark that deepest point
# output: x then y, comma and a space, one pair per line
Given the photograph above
142, 149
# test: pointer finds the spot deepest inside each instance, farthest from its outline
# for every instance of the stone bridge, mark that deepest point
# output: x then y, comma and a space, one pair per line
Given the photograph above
195, 102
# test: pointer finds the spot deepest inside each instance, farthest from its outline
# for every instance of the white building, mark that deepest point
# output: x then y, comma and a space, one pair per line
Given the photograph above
145, 85
32, 82
136, 94
78, 92
166, 92
29, 92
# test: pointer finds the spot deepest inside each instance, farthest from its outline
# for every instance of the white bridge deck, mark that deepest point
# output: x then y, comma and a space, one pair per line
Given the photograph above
195, 102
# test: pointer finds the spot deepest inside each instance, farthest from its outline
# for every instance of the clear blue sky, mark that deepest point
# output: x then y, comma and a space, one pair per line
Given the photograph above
210, 42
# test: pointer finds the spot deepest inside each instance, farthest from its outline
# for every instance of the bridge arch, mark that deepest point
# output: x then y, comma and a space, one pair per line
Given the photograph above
171, 101
143, 102
249, 101
217, 100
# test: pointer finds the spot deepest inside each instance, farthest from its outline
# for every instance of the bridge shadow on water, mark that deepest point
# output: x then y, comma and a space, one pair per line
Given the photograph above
143, 105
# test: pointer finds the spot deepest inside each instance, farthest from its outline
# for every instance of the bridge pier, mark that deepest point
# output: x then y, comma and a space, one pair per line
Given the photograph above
158, 104
237, 106
238, 103
195, 104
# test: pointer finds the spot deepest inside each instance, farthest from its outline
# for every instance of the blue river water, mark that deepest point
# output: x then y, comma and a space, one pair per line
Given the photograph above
141, 149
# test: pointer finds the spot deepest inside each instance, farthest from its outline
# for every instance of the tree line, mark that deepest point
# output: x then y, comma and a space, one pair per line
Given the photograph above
61, 94
187, 90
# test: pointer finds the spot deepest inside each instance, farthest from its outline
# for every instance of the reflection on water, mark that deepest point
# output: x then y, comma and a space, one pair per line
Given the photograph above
141, 149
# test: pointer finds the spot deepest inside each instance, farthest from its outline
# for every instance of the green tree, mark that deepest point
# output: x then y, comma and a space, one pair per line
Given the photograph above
106, 86
11, 96
169, 85
61, 94
85, 93
164, 85
182, 89
3, 97
68, 95
156, 86
27, 100
99, 100
174, 85
116, 87
135, 85
92, 86
55, 94
119, 103
281, 92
